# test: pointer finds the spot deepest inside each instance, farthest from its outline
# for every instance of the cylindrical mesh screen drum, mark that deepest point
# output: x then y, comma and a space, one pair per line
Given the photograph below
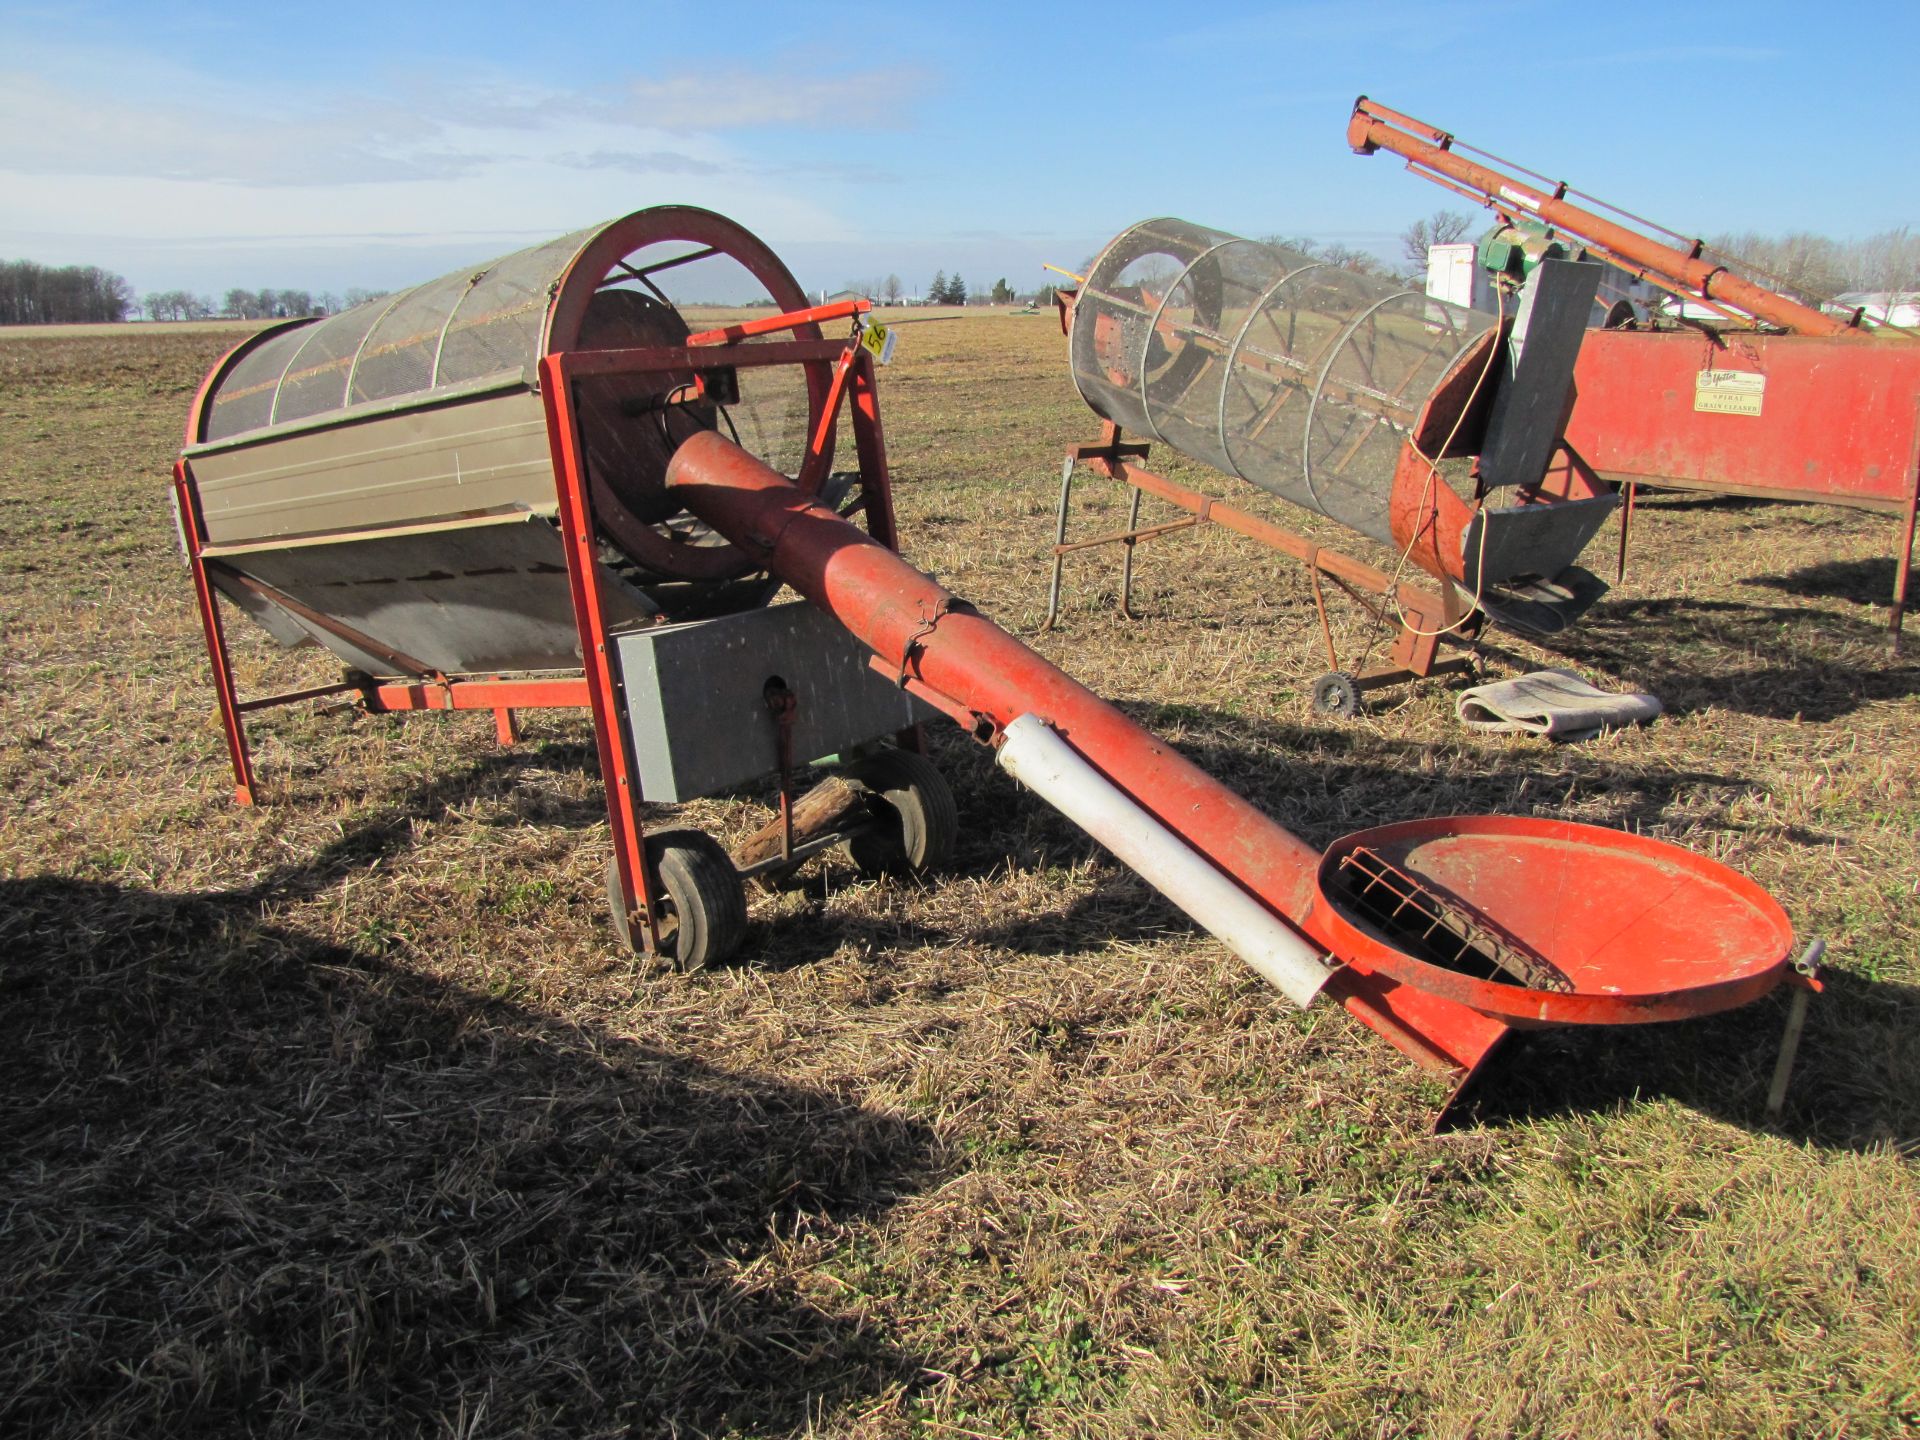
629, 284
1294, 375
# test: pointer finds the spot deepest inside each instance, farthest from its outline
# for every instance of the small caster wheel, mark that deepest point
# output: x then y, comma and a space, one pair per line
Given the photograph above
919, 823
702, 915
1335, 696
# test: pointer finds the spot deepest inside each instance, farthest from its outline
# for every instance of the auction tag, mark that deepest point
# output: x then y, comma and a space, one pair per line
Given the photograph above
1729, 392
880, 340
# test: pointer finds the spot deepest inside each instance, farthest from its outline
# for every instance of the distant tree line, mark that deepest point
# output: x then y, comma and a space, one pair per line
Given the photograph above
176, 305
237, 304
35, 294
1817, 267
272, 304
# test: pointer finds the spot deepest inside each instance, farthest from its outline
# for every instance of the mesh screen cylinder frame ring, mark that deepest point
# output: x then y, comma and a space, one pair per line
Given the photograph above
1107, 338
622, 502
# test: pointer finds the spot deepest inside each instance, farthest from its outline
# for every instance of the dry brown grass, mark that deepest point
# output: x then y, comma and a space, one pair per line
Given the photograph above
343, 1115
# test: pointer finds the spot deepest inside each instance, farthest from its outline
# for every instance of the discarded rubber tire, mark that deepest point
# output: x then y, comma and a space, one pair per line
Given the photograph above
919, 822
1335, 696
703, 914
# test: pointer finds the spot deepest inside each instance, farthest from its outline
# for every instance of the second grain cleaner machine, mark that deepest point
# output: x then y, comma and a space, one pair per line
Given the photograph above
1432, 430
535, 483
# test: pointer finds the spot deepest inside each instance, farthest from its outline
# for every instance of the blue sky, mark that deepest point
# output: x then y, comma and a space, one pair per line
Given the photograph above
323, 147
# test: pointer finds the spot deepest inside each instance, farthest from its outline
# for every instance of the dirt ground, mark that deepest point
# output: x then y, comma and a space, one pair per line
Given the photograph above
343, 1115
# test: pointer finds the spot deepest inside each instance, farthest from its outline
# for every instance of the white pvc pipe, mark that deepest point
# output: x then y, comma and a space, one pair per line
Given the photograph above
1039, 759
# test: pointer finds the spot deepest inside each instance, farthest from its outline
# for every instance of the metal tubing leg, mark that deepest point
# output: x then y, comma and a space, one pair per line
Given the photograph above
1626, 528
1903, 575
1060, 538
1789, 1048
1807, 969
239, 754
1126, 564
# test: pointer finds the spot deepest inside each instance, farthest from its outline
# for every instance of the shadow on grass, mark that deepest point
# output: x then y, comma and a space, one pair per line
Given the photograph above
1863, 1040
1854, 1084
259, 1183
1324, 781
1868, 582
1775, 661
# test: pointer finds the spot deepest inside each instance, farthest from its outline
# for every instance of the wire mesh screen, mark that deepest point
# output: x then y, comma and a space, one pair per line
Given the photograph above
244, 400
397, 358
461, 328
682, 271
1296, 376
315, 380
494, 325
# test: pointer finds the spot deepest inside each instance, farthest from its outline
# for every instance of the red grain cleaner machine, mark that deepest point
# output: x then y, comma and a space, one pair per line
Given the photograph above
540, 485
1771, 397
1428, 428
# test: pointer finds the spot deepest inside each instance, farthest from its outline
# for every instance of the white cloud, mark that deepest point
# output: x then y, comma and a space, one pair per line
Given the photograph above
55, 132
640, 162
124, 163
747, 99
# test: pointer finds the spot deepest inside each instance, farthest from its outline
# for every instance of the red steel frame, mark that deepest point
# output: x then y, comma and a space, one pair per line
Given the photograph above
1423, 618
1839, 424
1839, 418
597, 687
1432, 154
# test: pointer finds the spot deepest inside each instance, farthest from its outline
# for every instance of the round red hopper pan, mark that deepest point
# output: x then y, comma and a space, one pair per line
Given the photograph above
1536, 922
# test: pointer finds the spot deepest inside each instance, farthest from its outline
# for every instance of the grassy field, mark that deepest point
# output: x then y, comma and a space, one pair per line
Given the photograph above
343, 1116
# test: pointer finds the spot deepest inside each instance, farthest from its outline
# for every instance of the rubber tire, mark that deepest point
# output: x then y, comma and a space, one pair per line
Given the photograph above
920, 824
1335, 696
704, 908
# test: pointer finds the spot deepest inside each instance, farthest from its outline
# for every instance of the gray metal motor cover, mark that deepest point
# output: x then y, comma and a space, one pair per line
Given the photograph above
696, 697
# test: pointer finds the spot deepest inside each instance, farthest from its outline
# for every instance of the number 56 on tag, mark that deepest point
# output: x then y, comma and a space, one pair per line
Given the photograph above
880, 340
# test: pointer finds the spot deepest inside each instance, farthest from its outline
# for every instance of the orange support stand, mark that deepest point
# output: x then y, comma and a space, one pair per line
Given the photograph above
1420, 615
194, 535
853, 375
617, 771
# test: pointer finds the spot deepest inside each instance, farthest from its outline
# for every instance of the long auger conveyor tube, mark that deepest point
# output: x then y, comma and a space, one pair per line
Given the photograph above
1617, 919
1075, 749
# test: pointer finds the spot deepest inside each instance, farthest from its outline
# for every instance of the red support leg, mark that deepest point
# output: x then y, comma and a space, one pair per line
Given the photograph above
870, 443
813, 468
506, 727
876, 487
1903, 575
617, 772
186, 500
